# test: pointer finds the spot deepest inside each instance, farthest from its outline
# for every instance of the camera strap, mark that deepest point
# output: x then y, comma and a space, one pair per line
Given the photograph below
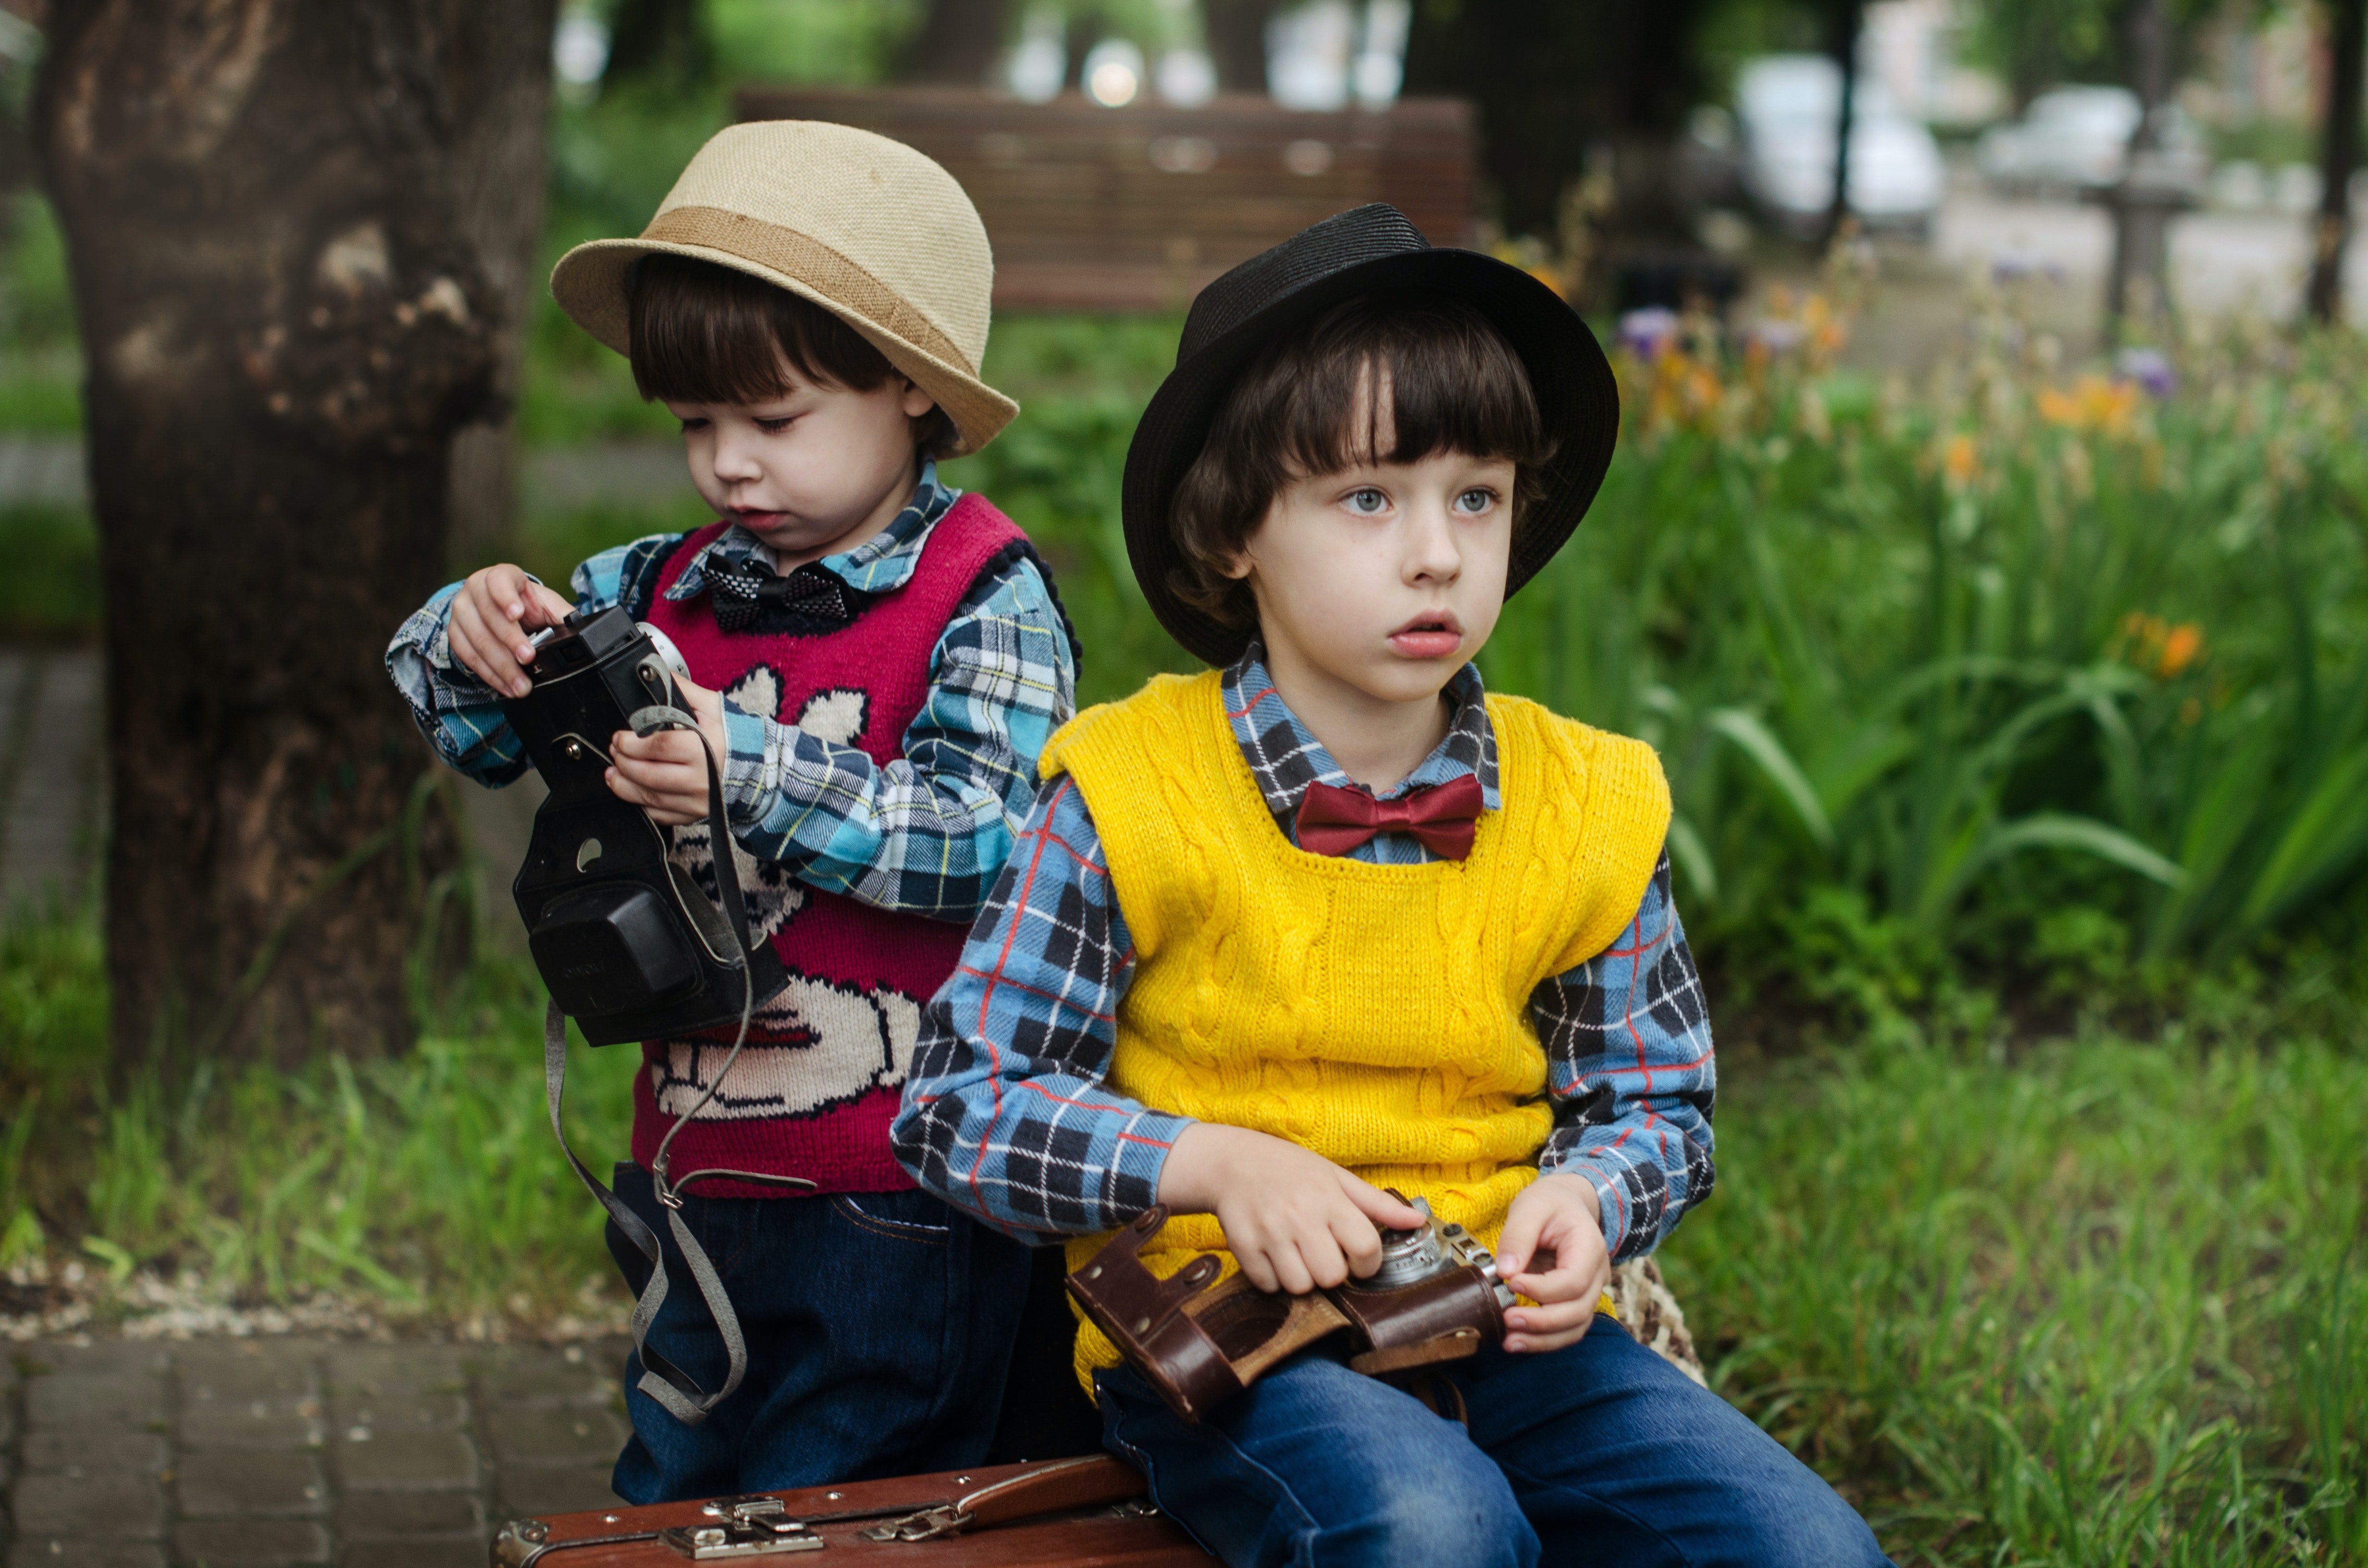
676, 1389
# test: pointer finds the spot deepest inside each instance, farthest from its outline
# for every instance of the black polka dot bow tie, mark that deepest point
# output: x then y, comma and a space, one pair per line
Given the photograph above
740, 591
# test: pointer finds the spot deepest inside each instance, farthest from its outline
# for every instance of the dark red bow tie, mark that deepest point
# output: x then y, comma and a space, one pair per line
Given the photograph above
1334, 821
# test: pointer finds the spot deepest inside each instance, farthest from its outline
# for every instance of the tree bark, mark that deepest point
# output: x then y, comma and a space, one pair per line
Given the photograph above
1843, 23
287, 317
500, 83
1553, 81
659, 39
2339, 157
1237, 34
956, 42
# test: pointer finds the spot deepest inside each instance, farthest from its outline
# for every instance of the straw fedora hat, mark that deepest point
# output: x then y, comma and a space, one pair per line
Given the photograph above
870, 229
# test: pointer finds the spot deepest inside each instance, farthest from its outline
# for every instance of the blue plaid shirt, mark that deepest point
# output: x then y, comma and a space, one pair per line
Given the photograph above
926, 833
1006, 1116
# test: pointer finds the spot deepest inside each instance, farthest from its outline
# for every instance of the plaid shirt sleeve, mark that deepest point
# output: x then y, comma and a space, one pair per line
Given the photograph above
1006, 1116
461, 715
928, 832
1630, 1072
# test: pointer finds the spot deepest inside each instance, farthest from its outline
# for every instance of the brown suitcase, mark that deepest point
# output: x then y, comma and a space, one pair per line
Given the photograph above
1059, 1514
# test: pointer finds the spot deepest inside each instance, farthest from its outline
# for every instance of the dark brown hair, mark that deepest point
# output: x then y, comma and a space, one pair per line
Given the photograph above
1305, 408
704, 333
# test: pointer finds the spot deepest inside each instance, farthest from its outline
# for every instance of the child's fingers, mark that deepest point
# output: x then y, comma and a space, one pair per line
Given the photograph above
1532, 1342
483, 651
1518, 1240
1378, 1205
544, 608
1558, 1318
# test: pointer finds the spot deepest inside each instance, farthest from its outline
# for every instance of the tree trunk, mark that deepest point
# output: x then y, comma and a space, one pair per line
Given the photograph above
500, 84
2339, 157
1237, 34
1553, 81
663, 41
1843, 23
286, 319
956, 42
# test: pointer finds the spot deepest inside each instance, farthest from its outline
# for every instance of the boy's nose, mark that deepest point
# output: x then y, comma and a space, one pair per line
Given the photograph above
1432, 555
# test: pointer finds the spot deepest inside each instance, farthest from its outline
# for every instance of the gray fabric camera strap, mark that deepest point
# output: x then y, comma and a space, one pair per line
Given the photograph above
674, 1389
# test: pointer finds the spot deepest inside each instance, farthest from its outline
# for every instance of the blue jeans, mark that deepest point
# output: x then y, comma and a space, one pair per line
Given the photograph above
879, 1325
1600, 1453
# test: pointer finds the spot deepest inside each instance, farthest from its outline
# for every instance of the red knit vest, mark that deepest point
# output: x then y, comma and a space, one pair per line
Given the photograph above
813, 1092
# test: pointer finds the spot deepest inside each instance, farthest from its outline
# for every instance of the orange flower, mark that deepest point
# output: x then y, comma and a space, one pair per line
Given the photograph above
2155, 645
2094, 404
2180, 647
1957, 461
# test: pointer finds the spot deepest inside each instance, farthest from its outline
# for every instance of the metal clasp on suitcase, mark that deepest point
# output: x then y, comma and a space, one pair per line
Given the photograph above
744, 1527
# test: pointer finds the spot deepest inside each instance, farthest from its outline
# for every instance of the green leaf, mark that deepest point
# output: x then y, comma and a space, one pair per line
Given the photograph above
2057, 830
1692, 855
1776, 765
2330, 830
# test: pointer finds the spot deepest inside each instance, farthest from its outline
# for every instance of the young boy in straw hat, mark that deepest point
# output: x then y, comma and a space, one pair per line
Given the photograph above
1326, 920
877, 659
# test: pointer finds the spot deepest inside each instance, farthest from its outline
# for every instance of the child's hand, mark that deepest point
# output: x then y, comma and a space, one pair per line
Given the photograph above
664, 773
1293, 1218
1560, 1218
490, 619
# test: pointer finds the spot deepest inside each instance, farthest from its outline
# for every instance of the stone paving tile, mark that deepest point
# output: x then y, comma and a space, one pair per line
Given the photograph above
54, 1551
370, 1516
555, 1437
415, 1554
512, 1375
388, 1369
251, 1543
399, 1411
228, 1484
217, 1454
553, 1490
90, 1507
79, 1450
407, 1462
251, 1394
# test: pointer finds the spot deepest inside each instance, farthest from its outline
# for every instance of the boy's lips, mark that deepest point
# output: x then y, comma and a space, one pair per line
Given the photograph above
753, 520
1432, 635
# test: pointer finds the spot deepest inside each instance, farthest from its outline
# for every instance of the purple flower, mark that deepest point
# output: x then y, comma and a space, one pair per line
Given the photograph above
2149, 367
1649, 331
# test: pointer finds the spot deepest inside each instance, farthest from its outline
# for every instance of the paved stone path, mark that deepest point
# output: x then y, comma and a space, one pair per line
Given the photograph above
50, 780
243, 1453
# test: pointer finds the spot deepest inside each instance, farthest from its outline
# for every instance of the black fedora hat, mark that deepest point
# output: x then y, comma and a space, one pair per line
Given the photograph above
1261, 301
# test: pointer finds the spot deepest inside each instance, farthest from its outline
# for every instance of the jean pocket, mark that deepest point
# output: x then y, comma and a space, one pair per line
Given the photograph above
881, 1224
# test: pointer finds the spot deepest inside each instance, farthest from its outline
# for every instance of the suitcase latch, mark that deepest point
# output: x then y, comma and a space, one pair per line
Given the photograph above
741, 1527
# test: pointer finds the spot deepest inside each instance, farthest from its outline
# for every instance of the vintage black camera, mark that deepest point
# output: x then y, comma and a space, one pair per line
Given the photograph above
629, 945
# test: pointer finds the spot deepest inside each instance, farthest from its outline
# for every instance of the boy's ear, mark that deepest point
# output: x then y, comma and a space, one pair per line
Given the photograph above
914, 403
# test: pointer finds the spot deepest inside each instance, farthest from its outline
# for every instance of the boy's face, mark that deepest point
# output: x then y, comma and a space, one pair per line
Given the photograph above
816, 470
1382, 579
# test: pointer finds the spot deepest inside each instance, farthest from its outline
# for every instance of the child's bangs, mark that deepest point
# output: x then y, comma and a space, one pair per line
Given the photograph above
708, 334
1451, 384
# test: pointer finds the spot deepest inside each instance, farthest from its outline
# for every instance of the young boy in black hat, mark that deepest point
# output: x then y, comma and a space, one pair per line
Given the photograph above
1326, 920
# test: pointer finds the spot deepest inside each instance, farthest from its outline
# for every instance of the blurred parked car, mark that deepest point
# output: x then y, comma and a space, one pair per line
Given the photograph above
1786, 108
2077, 139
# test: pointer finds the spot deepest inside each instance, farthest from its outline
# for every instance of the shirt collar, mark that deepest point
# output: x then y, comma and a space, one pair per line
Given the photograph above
886, 561
1285, 758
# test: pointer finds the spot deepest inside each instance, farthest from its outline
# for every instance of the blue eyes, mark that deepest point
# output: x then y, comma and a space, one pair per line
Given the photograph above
1369, 502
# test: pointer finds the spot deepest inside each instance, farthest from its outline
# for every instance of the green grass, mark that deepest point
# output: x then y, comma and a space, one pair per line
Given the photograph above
2099, 1302
51, 590
2106, 1303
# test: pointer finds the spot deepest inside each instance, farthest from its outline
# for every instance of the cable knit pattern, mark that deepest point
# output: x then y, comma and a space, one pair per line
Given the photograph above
1377, 1014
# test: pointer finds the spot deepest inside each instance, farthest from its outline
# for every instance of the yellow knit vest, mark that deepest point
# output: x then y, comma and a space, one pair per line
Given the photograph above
1377, 1014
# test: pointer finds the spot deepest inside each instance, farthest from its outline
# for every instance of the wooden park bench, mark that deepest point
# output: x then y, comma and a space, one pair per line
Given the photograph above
1135, 208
